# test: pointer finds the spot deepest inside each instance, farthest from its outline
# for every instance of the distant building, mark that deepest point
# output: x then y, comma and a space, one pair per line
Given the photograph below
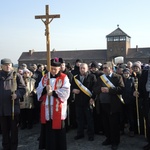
118, 44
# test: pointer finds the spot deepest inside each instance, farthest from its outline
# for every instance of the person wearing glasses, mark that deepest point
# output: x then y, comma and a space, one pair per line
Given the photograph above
109, 86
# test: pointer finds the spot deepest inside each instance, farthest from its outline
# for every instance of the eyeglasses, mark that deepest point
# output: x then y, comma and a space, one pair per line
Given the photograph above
105, 67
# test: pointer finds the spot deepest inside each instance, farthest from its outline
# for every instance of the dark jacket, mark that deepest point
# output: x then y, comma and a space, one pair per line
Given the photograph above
142, 85
127, 94
75, 71
82, 99
37, 76
6, 83
70, 76
117, 81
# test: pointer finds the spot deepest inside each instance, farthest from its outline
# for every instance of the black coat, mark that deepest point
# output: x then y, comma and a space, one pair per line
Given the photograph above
82, 99
142, 85
117, 81
127, 94
75, 71
37, 76
6, 81
69, 74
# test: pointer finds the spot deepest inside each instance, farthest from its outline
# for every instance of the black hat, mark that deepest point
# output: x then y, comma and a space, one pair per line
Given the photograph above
6, 61
94, 64
56, 62
61, 60
68, 65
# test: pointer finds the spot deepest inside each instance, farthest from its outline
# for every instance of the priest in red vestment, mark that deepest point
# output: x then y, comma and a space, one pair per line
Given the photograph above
54, 90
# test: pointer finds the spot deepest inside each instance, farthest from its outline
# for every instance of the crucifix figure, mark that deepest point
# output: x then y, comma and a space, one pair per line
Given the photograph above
47, 19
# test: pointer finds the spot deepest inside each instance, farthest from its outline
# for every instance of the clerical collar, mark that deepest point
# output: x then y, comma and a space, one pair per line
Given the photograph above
55, 76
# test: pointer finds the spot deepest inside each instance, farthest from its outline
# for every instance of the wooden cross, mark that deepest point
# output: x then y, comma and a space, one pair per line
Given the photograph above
48, 19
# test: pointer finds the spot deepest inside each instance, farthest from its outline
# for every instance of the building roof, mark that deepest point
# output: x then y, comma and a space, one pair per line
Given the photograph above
94, 54
138, 53
25, 56
84, 54
117, 32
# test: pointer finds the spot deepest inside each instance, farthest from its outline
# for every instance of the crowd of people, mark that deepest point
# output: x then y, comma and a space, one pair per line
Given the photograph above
99, 98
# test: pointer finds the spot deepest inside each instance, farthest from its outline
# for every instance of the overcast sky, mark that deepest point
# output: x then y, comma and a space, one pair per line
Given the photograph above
83, 24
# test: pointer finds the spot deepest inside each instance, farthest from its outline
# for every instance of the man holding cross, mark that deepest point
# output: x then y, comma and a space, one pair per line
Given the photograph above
53, 91
54, 115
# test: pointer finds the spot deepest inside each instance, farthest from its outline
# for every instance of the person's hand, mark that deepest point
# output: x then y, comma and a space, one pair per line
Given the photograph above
49, 90
31, 94
75, 91
104, 89
92, 102
14, 96
136, 93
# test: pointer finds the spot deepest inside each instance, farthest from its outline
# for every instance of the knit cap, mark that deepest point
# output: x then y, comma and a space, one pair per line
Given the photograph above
136, 64
126, 71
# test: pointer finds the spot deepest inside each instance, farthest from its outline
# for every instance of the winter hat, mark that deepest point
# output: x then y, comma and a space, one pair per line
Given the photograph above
137, 64
94, 64
6, 61
26, 71
126, 71
24, 65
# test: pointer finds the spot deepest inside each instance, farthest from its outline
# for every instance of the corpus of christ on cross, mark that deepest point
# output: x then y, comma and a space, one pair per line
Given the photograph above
48, 19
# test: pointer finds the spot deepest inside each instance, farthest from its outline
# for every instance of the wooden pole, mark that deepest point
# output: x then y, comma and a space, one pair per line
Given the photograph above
13, 89
137, 105
47, 38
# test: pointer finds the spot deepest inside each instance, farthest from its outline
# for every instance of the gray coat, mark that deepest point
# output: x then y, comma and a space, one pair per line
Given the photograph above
6, 83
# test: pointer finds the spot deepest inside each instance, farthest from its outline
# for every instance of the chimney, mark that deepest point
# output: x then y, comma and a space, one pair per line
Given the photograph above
31, 52
137, 48
53, 50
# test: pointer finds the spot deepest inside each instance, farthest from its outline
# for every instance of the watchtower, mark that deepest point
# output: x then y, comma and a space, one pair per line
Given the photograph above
118, 43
